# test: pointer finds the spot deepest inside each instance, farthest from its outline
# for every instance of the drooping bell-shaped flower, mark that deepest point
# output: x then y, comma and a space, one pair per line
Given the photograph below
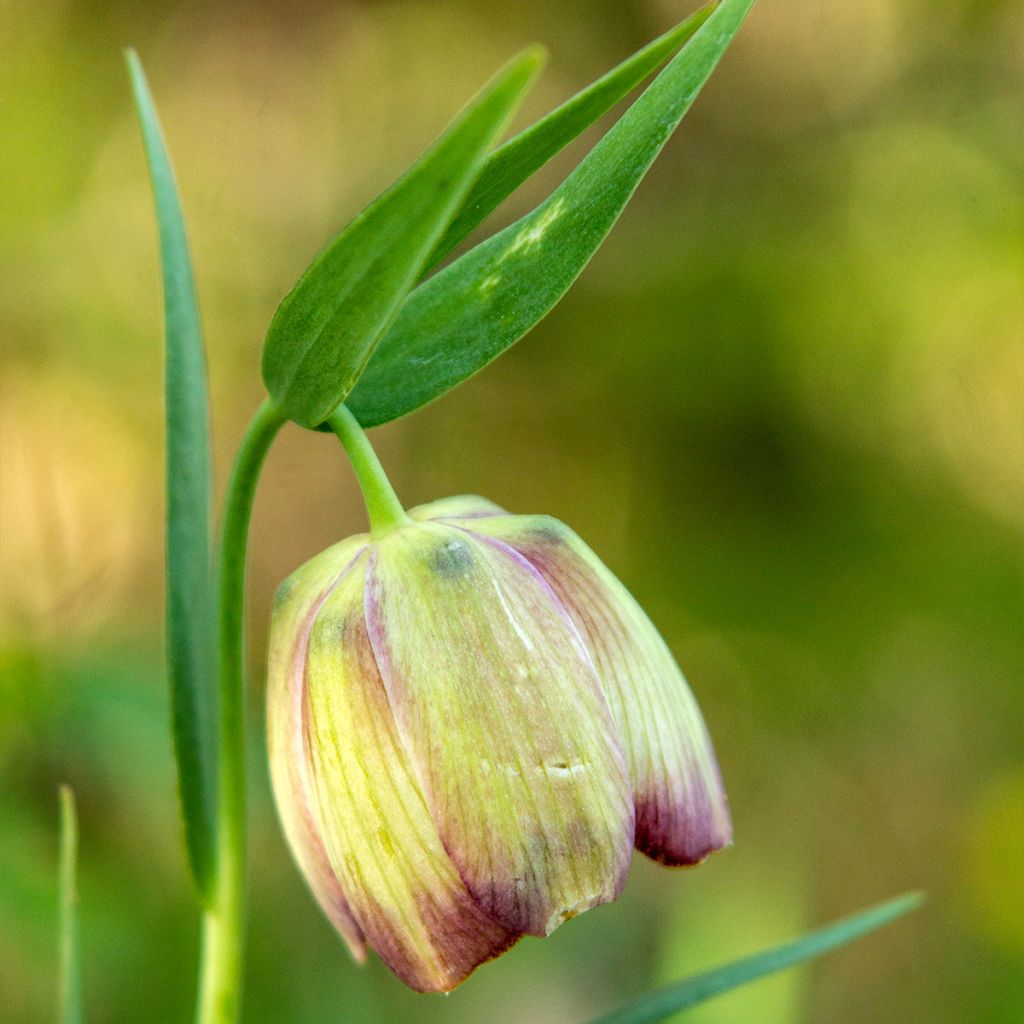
472, 723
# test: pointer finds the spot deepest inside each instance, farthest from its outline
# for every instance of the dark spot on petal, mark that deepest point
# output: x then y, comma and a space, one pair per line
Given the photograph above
285, 591
550, 532
452, 559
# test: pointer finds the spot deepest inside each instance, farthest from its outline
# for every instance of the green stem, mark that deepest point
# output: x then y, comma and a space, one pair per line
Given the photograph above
382, 504
70, 991
220, 980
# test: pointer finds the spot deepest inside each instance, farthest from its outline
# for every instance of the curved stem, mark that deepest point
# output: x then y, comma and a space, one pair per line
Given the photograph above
382, 504
224, 918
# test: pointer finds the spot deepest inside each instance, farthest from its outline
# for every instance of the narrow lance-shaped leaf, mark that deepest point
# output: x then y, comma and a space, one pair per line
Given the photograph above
467, 314
327, 326
70, 980
659, 1004
189, 587
516, 160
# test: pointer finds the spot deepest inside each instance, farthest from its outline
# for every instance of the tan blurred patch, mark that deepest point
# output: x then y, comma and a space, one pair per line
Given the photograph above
995, 861
813, 61
924, 356
974, 409
69, 508
948, 284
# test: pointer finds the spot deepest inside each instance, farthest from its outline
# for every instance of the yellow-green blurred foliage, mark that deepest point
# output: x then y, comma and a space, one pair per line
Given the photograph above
784, 403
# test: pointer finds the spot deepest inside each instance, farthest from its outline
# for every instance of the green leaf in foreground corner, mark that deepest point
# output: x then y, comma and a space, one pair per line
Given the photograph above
70, 980
327, 326
516, 160
190, 650
657, 1005
467, 314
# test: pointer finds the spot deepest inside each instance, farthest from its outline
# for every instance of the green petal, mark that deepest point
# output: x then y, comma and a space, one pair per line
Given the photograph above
681, 810
298, 600
505, 723
465, 506
383, 846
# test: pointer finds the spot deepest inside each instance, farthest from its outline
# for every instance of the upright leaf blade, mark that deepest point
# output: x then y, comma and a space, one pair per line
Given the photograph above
516, 160
657, 1005
70, 979
190, 649
467, 314
327, 326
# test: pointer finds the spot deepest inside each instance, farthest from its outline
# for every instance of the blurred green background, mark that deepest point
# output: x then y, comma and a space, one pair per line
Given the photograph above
784, 403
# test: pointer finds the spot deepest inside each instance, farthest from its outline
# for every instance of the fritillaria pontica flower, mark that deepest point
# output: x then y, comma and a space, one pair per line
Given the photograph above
472, 724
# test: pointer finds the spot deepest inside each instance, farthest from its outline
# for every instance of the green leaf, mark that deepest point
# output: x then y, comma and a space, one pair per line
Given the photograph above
70, 979
471, 311
190, 650
327, 326
513, 162
658, 1005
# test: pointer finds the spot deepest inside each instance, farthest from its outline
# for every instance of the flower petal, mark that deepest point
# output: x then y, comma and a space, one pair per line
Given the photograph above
682, 812
505, 723
384, 848
298, 600
466, 506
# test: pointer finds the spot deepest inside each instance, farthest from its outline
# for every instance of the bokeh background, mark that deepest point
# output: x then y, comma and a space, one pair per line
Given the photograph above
784, 403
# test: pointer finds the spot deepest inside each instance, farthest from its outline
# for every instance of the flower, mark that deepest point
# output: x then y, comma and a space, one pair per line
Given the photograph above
471, 725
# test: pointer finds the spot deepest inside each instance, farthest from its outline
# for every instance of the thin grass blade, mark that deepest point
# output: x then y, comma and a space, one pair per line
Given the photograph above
657, 1005
516, 160
70, 1007
327, 327
471, 311
190, 650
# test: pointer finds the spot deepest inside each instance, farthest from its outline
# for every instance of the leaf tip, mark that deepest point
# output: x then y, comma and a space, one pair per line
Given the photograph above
909, 901
134, 65
66, 797
535, 55
139, 83
525, 65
